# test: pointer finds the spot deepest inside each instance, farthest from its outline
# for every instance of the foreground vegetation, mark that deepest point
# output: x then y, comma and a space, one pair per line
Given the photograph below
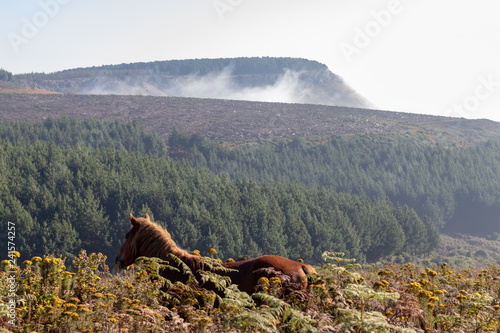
344, 298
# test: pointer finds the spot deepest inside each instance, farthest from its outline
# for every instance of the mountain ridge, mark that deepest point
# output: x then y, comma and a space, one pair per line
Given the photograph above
294, 80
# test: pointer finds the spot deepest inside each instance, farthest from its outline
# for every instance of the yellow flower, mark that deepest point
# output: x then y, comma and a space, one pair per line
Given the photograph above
301, 261
83, 308
109, 296
430, 272
71, 307
27, 263
98, 295
16, 254
72, 315
263, 281
230, 260
126, 300
275, 280
203, 321
425, 294
380, 284
433, 299
212, 251
415, 285
56, 261
196, 253
57, 301
5, 262
425, 282
36, 259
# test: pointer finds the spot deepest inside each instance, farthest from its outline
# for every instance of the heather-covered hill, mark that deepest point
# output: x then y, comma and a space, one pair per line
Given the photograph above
243, 121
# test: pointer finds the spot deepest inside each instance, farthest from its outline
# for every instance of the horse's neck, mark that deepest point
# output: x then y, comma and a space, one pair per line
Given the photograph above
190, 260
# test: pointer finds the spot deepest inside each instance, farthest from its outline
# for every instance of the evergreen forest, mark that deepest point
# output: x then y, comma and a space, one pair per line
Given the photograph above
69, 185
457, 187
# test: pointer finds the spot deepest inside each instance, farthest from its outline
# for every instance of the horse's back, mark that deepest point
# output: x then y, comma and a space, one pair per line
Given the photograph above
296, 270
247, 275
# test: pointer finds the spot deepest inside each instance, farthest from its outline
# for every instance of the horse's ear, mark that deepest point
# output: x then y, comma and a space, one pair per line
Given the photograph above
147, 217
133, 220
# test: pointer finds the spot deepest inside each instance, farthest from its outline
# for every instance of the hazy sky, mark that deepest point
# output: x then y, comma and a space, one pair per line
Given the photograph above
434, 57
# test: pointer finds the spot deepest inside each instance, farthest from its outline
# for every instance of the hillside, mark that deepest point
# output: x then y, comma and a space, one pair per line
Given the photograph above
83, 178
242, 121
17, 88
290, 80
403, 157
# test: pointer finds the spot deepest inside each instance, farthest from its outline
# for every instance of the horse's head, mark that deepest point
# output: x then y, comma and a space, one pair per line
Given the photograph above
129, 251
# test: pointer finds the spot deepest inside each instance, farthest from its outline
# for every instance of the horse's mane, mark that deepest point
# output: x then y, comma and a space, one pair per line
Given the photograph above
154, 241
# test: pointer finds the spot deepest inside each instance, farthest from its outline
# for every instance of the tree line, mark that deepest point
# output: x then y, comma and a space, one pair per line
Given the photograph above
240, 66
5, 75
254, 71
66, 195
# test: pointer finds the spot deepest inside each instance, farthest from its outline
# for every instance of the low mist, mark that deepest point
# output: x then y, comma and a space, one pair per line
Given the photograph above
289, 87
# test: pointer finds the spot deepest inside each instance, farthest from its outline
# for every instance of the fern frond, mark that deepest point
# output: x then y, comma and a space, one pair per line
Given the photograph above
235, 297
355, 290
370, 321
296, 321
220, 282
208, 263
183, 267
271, 301
253, 321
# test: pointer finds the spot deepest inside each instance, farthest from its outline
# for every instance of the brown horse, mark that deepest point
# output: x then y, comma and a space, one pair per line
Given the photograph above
148, 239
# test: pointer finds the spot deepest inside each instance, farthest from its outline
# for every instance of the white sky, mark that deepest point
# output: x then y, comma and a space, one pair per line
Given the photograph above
437, 57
